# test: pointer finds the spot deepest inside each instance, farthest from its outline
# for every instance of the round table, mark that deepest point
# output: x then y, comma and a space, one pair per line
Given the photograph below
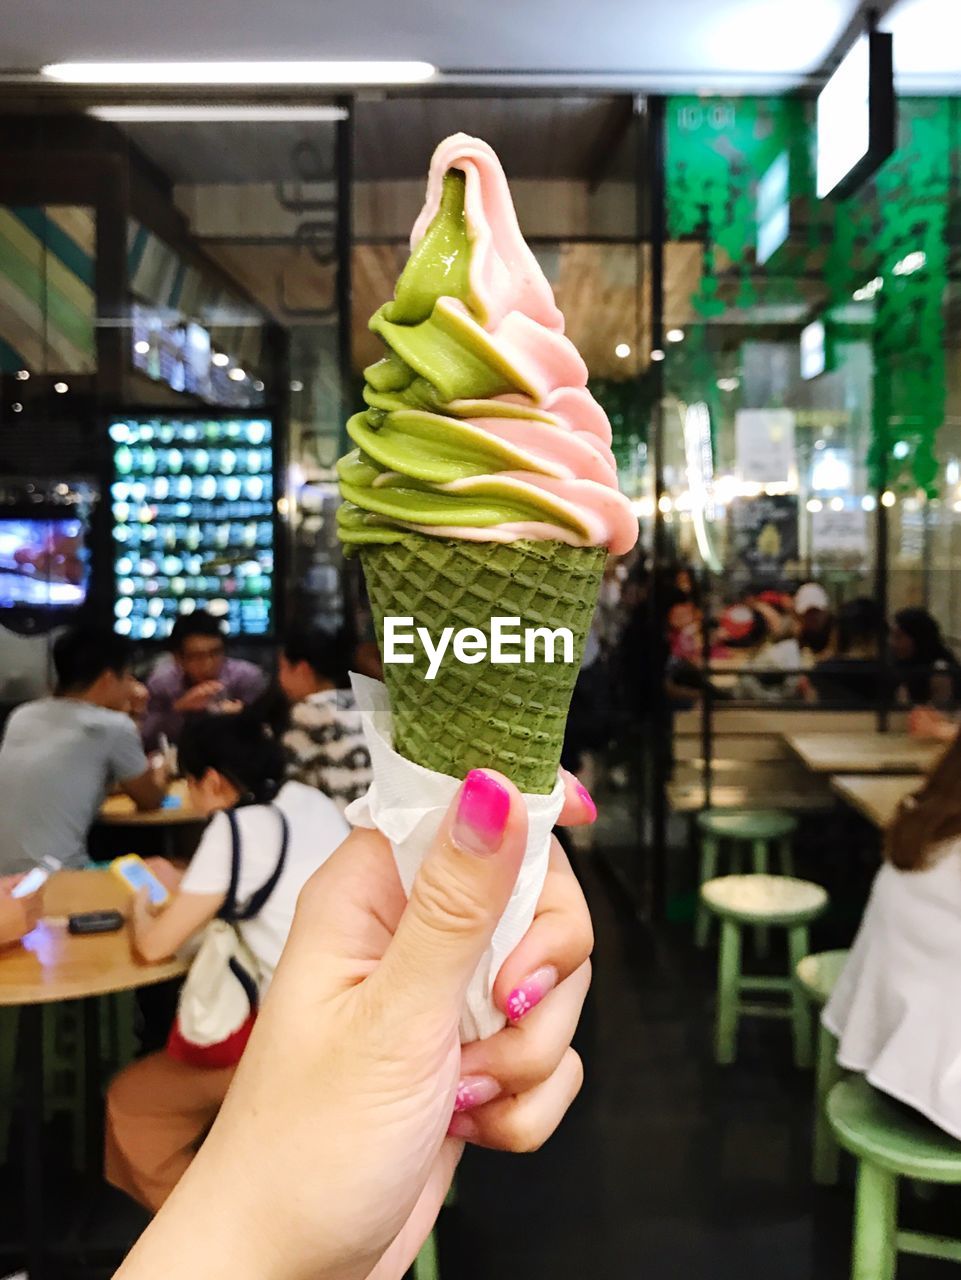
50, 965
120, 811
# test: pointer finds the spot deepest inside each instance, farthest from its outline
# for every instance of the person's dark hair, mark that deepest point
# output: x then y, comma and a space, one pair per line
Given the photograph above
82, 654
929, 647
859, 622
198, 623
325, 652
241, 747
925, 819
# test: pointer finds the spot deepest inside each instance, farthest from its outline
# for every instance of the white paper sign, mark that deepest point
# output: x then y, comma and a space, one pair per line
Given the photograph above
840, 532
764, 445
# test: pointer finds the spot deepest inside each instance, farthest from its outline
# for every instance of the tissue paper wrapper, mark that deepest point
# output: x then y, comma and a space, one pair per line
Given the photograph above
407, 803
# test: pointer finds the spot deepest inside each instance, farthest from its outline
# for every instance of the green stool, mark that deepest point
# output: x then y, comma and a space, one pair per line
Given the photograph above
890, 1142
751, 831
425, 1264
774, 901
816, 976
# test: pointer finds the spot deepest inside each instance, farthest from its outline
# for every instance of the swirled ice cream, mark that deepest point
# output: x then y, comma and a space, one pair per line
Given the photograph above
479, 425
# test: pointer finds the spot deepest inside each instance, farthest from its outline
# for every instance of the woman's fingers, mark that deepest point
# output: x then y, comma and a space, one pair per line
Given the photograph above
559, 940
525, 1122
579, 810
521, 1057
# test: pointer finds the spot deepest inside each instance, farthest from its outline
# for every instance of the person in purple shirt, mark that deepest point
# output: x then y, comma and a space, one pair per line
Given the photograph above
197, 676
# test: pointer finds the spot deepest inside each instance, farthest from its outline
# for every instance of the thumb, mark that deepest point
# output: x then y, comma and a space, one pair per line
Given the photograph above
459, 895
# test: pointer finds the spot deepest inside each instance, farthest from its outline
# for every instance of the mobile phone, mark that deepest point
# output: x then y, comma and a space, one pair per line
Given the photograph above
31, 882
95, 922
136, 875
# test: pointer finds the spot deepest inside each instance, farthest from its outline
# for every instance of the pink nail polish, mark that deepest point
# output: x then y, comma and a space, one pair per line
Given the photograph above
585, 798
531, 992
474, 1091
482, 813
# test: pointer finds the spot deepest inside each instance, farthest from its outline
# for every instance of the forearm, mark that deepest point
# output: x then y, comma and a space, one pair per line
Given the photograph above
217, 1226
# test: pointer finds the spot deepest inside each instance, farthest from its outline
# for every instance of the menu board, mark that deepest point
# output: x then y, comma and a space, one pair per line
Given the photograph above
765, 535
193, 522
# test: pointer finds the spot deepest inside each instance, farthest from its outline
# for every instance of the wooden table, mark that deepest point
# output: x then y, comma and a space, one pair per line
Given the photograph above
120, 811
876, 799
864, 752
51, 965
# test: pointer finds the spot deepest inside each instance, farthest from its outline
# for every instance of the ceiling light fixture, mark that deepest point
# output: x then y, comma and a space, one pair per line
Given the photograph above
177, 113
142, 347
657, 354
236, 374
23, 375
61, 388
233, 73
220, 360
622, 350
675, 335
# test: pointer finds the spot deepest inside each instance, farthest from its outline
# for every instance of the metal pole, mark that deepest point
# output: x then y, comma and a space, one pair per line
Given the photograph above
344, 158
661, 713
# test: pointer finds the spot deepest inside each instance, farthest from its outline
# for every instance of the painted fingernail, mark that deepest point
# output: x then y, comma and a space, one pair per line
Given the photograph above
531, 992
482, 813
474, 1091
585, 798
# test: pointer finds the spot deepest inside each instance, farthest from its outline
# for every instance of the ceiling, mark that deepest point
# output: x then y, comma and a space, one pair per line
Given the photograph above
561, 137
653, 43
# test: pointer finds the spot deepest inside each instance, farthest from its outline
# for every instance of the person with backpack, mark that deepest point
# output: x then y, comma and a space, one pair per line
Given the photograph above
266, 837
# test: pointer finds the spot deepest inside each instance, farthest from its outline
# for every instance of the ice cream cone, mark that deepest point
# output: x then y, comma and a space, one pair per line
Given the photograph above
506, 716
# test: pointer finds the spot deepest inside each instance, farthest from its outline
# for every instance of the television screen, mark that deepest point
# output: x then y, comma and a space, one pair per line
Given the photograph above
43, 563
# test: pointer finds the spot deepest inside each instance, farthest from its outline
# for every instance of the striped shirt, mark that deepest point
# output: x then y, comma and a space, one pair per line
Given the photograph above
325, 746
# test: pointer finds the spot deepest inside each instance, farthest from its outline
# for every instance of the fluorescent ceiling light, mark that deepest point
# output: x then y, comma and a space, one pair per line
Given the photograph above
160, 114
233, 73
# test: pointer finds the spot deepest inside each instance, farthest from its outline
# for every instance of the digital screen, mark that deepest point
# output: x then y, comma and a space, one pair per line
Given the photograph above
193, 522
855, 116
813, 350
171, 351
43, 563
773, 208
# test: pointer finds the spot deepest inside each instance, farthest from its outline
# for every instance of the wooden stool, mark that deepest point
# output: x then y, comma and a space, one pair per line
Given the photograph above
774, 901
890, 1142
816, 976
748, 830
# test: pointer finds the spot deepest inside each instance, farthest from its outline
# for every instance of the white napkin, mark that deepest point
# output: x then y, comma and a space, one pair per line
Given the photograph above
407, 802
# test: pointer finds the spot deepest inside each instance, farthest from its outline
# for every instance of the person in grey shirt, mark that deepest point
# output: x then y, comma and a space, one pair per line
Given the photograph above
60, 756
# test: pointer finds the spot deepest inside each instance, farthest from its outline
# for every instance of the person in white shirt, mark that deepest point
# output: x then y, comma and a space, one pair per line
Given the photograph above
325, 740
159, 1108
894, 1009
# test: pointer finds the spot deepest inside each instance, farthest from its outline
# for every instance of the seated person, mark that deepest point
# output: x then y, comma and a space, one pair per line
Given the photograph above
159, 1109
922, 660
61, 756
324, 742
17, 915
196, 676
853, 674
895, 1010
812, 609
770, 646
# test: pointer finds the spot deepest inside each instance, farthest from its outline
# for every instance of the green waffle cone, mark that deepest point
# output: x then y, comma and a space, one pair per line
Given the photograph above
509, 717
